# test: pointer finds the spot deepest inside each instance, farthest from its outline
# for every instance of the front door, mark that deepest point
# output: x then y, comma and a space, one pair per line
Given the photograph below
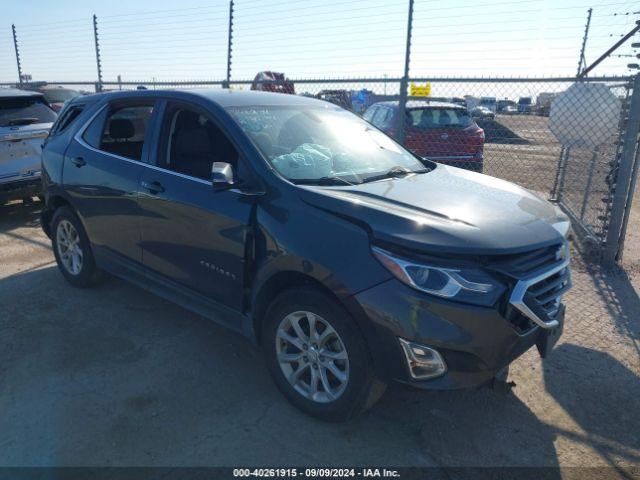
191, 234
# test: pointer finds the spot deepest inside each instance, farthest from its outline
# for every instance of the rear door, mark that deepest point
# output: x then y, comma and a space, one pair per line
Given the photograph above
102, 169
192, 235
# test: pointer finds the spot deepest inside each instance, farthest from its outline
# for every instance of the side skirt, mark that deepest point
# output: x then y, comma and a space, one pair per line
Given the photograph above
165, 288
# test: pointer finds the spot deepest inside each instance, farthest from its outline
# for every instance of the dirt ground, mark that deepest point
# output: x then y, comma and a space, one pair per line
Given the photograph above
116, 376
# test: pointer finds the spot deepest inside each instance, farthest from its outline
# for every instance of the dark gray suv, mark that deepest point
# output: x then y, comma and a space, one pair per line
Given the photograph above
351, 261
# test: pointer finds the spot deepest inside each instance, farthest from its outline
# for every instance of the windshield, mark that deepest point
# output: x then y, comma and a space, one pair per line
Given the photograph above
24, 111
318, 143
60, 95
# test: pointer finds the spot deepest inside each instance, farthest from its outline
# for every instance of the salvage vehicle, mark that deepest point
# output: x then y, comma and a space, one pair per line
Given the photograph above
269, 81
439, 131
342, 98
25, 120
349, 260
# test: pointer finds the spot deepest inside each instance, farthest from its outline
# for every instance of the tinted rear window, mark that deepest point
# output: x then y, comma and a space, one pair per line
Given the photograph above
439, 117
24, 111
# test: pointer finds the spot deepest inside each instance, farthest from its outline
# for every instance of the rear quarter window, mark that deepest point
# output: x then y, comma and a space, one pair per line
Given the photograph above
66, 119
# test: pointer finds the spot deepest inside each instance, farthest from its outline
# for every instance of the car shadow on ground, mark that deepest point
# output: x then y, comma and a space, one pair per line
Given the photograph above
16, 215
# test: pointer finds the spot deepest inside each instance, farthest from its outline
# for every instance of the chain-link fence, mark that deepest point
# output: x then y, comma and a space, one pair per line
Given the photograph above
335, 51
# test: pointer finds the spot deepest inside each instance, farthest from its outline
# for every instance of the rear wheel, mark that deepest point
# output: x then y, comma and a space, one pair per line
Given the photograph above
318, 357
72, 249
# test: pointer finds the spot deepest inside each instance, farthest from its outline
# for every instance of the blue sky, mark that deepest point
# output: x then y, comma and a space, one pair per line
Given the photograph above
155, 39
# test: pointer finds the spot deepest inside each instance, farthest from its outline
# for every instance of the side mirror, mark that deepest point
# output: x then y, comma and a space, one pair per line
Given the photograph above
222, 176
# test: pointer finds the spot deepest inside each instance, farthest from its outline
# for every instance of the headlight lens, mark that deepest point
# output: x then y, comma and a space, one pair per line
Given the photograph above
468, 285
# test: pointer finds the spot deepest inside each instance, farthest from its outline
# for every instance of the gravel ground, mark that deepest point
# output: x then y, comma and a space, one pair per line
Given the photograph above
115, 376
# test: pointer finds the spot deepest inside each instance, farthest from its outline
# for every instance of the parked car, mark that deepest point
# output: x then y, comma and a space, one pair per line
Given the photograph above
273, 82
25, 119
442, 132
489, 102
56, 96
482, 113
349, 260
502, 104
342, 98
510, 110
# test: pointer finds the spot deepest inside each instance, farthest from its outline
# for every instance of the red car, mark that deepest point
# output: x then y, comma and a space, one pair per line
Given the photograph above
269, 81
442, 132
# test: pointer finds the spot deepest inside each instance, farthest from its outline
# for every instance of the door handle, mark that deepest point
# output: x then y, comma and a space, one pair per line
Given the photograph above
78, 162
153, 187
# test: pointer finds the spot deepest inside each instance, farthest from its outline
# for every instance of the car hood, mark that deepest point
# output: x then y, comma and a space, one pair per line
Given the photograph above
446, 210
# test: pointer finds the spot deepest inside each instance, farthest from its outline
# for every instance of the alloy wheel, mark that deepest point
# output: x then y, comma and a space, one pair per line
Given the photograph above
312, 356
68, 245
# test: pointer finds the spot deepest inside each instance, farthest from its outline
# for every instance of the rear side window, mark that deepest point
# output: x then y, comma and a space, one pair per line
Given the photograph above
381, 116
368, 115
120, 131
66, 119
439, 118
15, 111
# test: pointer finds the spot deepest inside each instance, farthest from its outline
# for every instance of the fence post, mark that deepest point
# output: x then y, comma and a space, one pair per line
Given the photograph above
15, 46
229, 44
622, 195
584, 42
402, 107
98, 62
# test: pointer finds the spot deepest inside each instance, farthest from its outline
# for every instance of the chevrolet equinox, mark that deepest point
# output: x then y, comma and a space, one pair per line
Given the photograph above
349, 260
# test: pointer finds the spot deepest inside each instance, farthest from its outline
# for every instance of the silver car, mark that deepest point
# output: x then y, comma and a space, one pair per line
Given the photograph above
25, 120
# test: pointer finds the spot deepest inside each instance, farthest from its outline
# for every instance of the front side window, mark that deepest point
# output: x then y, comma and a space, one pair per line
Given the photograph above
124, 131
194, 142
16, 111
318, 143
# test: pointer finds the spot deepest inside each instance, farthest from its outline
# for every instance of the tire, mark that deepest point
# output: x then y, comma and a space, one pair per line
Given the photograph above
338, 357
67, 229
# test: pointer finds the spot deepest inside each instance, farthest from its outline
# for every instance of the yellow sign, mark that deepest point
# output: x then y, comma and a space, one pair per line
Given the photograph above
420, 90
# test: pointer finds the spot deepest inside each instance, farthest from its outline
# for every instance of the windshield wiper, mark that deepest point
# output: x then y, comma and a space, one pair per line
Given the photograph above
328, 180
394, 172
21, 121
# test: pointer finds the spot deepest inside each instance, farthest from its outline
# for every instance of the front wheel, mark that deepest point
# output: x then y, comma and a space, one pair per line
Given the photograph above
318, 357
72, 249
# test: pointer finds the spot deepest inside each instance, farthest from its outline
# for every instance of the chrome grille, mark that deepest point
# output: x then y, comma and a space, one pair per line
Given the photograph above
538, 295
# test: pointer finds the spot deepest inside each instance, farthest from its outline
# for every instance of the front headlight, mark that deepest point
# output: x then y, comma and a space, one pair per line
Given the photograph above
470, 285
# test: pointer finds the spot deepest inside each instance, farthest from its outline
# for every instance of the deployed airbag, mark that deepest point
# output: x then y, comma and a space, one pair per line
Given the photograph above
308, 161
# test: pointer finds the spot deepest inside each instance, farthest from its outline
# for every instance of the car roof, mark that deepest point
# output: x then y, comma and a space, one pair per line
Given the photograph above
421, 104
16, 92
222, 97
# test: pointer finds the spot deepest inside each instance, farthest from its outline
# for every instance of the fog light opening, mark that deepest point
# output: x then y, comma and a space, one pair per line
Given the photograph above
423, 362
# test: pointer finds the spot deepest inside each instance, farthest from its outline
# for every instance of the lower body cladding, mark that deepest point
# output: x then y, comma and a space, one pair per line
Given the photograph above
438, 344
19, 189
